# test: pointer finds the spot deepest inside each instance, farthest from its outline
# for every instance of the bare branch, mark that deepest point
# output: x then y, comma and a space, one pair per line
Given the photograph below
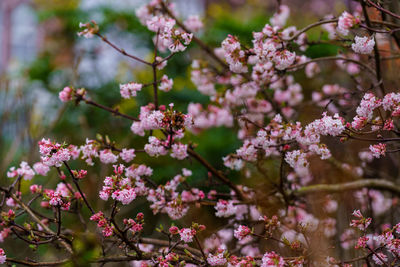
355, 185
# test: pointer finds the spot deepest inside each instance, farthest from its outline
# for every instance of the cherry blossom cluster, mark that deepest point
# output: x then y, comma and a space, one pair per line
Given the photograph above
280, 206
107, 228
169, 36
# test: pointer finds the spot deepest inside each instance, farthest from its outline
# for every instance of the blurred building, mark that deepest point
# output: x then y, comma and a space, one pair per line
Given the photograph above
18, 33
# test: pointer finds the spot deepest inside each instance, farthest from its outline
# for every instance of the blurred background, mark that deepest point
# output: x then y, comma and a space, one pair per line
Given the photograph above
40, 53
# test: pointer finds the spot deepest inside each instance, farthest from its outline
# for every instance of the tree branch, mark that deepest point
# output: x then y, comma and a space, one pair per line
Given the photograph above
114, 111
122, 51
217, 173
382, 9
202, 45
45, 227
376, 50
334, 58
355, 185
79, 188
32, 263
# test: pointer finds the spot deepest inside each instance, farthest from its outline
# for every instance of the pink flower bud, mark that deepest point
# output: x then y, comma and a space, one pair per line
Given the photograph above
174, 230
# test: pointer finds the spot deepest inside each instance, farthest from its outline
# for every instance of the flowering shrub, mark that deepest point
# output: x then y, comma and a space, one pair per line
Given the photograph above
251, 90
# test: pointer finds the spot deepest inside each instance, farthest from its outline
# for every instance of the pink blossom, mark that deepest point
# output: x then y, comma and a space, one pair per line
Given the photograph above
11, 202
24, 170
41, 168
367, 105
331, 205
104, 194
89, 29
127, 155
379, 258
359, 122
57, 158
241, 232
149, 120
129, 90
283, 59
89, 151
298, 161
187, 234
378, 150
218, 259
388, 126
391, 101
133, 225
225, 208
107, 231
361, 242
136, 128
330, 27
363, 45
329, 226
166, 84
233, 163
55, 199
143, 12
380, 203
179, 151
321, 150
107, 157
193, 23
155, 147
3, 256
4, 234
174, 39
312, 69
97, 216
271, 259
346, 21
66, 94
235, 57
361, 223
203, 78
331, 125
176, 210
384, 238
79, 174
163, 63
174, 230
247, 152
242, 93
35, 188
160, 23
186, 172
125, 196
53, 154
280, 18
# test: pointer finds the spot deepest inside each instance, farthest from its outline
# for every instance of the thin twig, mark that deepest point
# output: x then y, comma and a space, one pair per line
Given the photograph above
114, 111
382, 9
334, 58
45, 227
122, 51
79, 188
217, 173
203, 46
